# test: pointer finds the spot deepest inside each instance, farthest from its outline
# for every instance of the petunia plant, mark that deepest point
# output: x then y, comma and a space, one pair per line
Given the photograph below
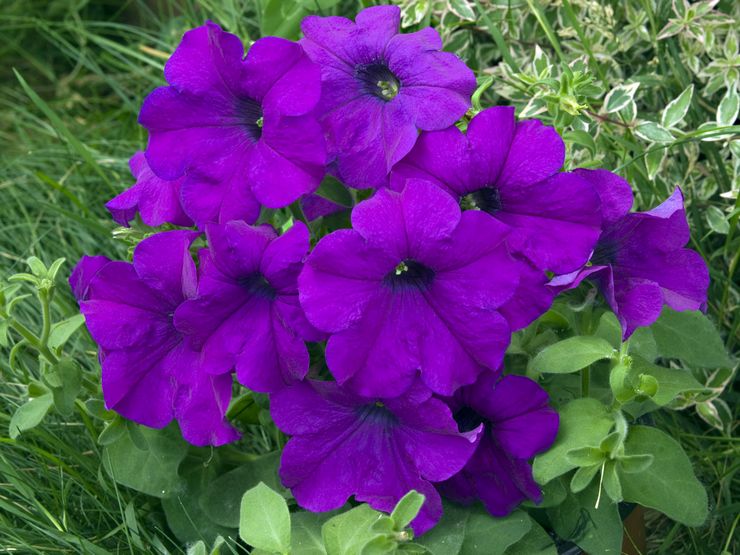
366, 314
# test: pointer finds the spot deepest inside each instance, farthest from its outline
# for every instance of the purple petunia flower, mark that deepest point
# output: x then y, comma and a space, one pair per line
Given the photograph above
157, 200
240, 130
416, 288
345, 445
640, 262
379, 87
246, 314
518, 424
150, 374
510, 170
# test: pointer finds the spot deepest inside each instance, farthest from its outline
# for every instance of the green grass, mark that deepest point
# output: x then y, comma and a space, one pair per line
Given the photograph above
74, 74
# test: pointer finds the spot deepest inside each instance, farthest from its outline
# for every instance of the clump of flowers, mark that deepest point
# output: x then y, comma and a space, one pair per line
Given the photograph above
463, 239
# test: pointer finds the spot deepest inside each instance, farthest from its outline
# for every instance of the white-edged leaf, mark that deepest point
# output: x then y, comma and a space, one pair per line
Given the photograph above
619, 97
717, 220
677, 108
654, 159
728, 108
651, 131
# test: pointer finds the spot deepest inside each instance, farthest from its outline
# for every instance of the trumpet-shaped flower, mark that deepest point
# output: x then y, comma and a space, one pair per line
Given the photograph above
343, 445
379, 87
239, 129
640, 262
417, 289
150, 373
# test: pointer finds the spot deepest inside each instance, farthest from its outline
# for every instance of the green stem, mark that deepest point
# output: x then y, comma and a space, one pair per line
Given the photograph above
45, 300
31, 339
585, 381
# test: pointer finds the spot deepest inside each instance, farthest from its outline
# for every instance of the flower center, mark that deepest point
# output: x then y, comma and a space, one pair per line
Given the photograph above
605, 253
377, 413
467, 419
258, 286
409, 274
249, 117
487, 199
378, 80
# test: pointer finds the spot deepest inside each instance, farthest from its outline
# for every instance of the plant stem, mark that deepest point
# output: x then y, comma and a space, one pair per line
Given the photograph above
585, 381
31, 339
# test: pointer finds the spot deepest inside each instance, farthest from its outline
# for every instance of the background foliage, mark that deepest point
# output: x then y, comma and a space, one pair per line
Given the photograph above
648, 88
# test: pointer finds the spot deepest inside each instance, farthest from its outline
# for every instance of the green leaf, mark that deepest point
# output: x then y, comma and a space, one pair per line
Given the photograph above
583, 423
470, 530
642, 343
651, 131
609, 329
691, 337
717, 220
635, 463
65, 377
282, 18
30, 414
583, 477
152, 470
62, 331
612, 486
672, 382
37, 267
579, 137
463, 9
668, 484
305, 532
677, 108
348, 533
585, 456
534, 542
264, 520
572, 354
332, 189
221, 499
112, 432
728, 108
619, 97
318, 5
593, 530
184, 516
406, 509
654, 159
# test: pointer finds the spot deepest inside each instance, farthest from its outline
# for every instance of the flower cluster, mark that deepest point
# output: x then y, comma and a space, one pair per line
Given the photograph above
454, 249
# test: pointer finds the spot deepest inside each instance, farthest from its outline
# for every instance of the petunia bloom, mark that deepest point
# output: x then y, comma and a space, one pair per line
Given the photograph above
511, 170
517, 424
157, 200
239, 129
343, 445
640, 262
246, 314
379, 87
150, 374
416, 288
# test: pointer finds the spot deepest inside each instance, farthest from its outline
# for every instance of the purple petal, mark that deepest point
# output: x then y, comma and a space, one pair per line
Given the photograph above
206, 59
200, 404
615, 193
281, 77
491, 133
441, 157
536, 153
341, 277
83, 274
164, 263
558, 221
288, 162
